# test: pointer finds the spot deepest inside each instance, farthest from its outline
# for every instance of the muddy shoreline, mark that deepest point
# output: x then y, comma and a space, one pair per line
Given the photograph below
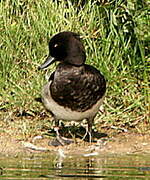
124, 143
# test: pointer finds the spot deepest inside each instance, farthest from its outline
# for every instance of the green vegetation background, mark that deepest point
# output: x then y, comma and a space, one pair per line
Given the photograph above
116, 35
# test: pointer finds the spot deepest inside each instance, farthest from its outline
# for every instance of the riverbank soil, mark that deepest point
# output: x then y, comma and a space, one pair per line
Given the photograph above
14, 141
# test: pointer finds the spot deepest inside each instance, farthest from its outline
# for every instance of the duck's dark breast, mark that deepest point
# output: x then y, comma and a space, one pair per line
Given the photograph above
77, 88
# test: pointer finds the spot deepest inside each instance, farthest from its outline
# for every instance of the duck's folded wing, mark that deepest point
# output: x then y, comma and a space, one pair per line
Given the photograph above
79, 88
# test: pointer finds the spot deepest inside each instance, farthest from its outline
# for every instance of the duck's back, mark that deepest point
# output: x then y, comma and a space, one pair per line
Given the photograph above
77, 87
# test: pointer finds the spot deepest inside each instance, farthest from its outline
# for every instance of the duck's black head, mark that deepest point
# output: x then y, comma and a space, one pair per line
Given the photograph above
65, 47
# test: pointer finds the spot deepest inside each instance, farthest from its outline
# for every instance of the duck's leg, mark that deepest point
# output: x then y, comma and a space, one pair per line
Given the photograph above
89, 129
62, 140
59, 139
90, 124
56, 122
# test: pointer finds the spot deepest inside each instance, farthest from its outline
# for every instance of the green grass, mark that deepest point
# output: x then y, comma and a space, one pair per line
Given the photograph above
116, 37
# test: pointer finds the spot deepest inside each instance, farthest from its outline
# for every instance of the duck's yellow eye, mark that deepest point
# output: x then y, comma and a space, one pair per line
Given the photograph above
55, 45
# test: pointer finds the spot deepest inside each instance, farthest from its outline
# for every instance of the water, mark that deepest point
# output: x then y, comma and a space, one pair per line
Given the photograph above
52, 166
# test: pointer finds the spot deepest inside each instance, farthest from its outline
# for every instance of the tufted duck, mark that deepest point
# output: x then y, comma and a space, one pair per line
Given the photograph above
75, 90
